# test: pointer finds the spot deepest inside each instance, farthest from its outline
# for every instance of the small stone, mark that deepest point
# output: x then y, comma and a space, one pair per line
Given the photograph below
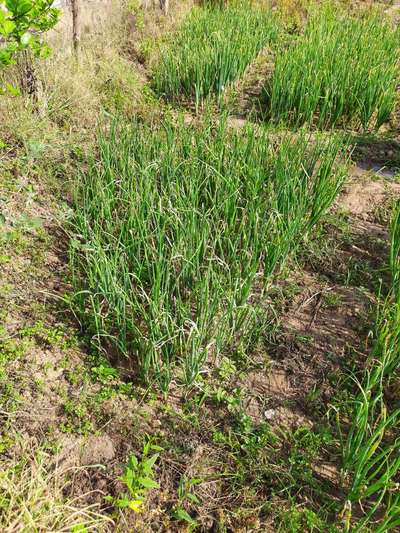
269, 414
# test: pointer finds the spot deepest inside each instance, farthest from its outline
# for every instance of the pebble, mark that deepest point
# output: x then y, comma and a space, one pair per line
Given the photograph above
269, 414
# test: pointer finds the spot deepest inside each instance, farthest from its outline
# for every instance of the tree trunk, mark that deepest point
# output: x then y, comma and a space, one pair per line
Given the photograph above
75, 24
28, 79
164, 4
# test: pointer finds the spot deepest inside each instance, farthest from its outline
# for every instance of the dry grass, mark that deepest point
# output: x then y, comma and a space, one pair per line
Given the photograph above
43, 141
33, 496
107, 79
74, 94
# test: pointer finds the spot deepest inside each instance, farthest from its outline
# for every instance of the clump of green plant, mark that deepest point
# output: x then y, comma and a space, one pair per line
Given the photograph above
262, 462
175, 226
344, 67
77, 417
138, 479
186, 498
300, 518
372, 448
211, 49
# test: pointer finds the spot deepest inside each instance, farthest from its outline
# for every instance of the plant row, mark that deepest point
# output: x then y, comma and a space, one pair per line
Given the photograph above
342, 69
177, 227
212, 48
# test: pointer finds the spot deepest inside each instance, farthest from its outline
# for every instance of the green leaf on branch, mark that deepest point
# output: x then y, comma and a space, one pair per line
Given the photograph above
22, 25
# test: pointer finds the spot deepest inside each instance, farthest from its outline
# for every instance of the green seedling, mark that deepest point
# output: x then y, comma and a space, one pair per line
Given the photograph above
138, 479
186, 497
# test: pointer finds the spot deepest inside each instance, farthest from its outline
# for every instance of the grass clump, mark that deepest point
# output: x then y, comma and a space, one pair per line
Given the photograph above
343, 68
33, 489
211, 49
372, 449
174, 226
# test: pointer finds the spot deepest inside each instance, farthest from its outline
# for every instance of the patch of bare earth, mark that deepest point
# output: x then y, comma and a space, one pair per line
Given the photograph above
246, 96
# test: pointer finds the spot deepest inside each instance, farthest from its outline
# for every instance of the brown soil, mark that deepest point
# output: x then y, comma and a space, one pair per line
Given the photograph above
363, 196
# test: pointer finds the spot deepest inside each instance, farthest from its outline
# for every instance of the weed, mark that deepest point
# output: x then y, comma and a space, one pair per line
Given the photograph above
109, 379
49, 336
138, 479
307, 340
233, 400
298, 519
104, 372
277, 463
226, 369
77, 375
77, 418
331, 300
11, 351
185, 498
14, 239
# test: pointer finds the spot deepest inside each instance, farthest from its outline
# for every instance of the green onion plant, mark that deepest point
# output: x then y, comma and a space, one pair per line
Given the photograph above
344, 68
174, 228
211, 49
372, 449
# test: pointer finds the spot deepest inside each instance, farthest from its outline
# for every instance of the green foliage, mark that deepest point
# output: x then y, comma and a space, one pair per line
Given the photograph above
299, 519
138, 478
211, 49
22, 23
175, 226
281, 464
109, 378
186, 498
372, 448
78, 420
344, 67
10, 351
49, 336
